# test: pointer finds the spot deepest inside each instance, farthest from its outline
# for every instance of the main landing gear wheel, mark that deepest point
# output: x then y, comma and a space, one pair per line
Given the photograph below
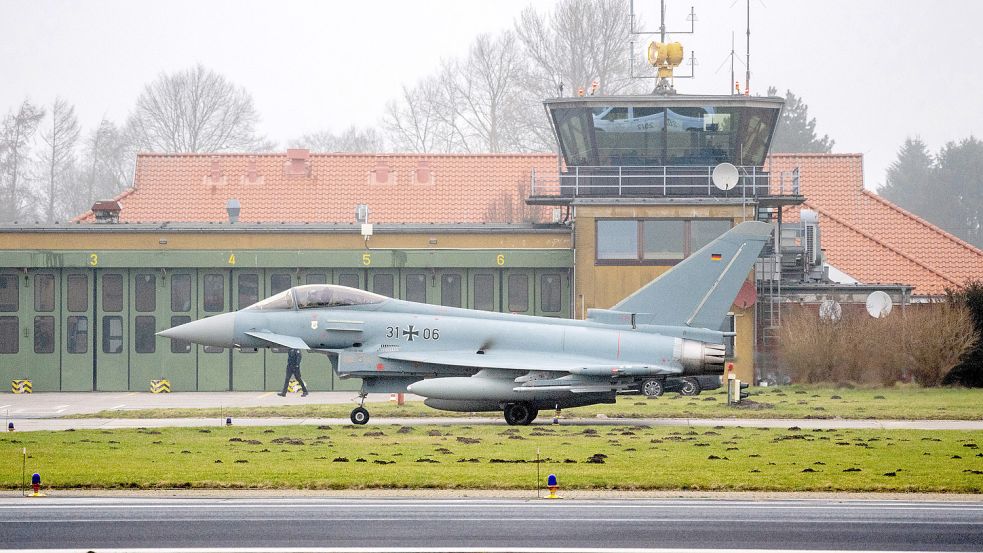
360, 415
652, 387
690, 387
520, 414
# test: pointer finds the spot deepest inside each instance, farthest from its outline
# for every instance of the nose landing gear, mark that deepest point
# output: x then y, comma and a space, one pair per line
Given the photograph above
360, 415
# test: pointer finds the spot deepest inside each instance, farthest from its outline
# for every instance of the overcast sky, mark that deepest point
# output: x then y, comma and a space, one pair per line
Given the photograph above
872, 71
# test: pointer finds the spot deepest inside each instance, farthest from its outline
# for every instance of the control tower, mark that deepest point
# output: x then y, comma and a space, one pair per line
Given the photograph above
647, 180
659, 146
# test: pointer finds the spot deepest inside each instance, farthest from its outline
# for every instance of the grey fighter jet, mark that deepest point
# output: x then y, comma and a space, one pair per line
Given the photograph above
467, 360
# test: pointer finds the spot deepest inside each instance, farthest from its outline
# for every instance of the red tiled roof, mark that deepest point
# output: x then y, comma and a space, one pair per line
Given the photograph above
325, 188
863, 234
872, 239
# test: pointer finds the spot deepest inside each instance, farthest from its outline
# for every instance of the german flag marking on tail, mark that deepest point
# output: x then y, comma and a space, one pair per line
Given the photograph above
715, 257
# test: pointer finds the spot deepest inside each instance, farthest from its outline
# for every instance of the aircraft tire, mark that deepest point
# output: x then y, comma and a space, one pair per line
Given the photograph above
360, 415
519, 414
690, 387
653, 387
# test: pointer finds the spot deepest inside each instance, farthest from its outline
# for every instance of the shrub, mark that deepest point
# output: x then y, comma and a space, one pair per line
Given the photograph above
923, 342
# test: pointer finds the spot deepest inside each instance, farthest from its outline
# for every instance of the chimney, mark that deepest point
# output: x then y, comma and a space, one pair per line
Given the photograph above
107, 211
297, 162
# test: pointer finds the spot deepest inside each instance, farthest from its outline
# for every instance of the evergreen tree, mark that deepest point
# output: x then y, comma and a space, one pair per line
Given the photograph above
796, 132
912, 180
960, 174
946, 190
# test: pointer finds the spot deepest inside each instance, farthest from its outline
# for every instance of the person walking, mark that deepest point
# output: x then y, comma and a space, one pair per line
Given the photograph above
293, 369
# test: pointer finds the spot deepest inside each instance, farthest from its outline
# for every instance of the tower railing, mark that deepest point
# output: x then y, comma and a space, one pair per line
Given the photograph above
658, 181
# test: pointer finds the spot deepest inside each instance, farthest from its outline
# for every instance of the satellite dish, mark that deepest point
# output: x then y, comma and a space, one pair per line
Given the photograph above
830, 310
725, 176
879, 304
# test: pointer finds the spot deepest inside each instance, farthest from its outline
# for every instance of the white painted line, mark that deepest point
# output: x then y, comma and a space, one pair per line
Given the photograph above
442, 550
60, 406
118, 406
622, 520
4, 406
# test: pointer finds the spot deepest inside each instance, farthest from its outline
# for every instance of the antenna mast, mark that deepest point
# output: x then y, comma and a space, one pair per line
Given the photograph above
747, 65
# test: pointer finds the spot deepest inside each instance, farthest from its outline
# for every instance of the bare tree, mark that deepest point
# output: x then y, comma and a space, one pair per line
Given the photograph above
581, 40
576, 43
491, 100
414, 123
196, 110
486, 90
107, 163
16, 134
469, 105
352, 139
56, 160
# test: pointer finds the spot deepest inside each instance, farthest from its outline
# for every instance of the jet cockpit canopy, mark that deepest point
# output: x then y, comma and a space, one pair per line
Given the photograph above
313, 296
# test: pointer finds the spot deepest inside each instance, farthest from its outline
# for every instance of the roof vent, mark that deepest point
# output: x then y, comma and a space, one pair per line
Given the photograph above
382, 173
298, 162
423, 173
107, 211
252, 172
232, 207
216, 170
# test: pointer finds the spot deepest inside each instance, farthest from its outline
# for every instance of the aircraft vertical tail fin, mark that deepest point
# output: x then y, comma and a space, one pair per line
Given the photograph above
699, 291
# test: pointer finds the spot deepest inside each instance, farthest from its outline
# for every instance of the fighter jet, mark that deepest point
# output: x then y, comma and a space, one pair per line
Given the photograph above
468, 360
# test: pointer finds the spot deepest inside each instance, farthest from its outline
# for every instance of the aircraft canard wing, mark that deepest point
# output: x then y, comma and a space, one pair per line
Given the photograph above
292, 342
532, 361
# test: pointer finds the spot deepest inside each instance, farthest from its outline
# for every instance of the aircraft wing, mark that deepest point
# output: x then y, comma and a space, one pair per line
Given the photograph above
531, 361
292, 342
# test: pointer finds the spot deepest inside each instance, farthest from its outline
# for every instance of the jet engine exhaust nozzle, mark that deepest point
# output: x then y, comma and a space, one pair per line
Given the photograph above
699, 357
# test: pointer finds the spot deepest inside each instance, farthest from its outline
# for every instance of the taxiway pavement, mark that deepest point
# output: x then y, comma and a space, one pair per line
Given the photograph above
286, 523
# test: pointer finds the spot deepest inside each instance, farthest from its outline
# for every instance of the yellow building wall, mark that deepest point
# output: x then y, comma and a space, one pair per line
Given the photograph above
602, 286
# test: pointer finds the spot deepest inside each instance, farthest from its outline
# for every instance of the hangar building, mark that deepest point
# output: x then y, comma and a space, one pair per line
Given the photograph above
629, 196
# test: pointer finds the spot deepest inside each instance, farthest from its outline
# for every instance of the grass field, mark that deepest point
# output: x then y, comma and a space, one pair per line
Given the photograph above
497, 457
899, 402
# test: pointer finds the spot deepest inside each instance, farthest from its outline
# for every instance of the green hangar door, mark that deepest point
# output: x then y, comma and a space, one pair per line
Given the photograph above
112, 368
214, 363
248, 365
148, 313
78, 350
179, 358
29, 337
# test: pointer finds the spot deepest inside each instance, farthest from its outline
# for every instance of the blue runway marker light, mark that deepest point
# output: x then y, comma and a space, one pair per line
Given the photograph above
36, 483
552, 484
10, 427
228, 421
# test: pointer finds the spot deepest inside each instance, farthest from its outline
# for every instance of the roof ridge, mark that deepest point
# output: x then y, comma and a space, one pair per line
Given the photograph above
348, 154
882, 244
923, 222
815, 154
118, 197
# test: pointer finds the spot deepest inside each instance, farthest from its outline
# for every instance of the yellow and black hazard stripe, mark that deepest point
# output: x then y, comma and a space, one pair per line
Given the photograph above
22, 386
294, 386
162, 386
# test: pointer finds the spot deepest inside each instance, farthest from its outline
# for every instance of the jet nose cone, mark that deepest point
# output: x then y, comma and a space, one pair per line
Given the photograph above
218, 331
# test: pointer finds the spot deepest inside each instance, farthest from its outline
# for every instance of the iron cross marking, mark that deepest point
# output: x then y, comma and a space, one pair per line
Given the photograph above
410, 333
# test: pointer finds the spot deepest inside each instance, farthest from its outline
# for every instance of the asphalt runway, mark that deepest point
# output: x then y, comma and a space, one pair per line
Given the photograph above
134, 523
